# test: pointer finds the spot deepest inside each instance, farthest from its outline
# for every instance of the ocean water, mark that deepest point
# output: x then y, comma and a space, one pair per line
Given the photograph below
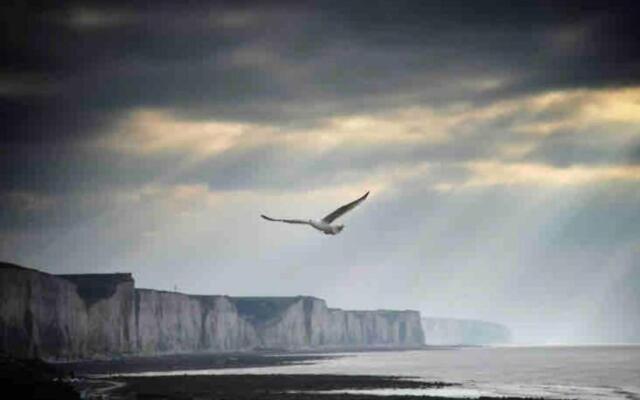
581, 372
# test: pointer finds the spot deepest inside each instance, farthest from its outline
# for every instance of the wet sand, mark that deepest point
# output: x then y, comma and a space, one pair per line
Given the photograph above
245, 387
269, 387
37, 379
230, 387
186, 362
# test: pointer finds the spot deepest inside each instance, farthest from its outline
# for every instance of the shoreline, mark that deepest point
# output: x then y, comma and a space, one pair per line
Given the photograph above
227, 360
283, 387
180, 362
119, 379
74, 380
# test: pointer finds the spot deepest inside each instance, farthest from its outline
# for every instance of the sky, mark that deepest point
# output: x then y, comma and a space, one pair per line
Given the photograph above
500, 142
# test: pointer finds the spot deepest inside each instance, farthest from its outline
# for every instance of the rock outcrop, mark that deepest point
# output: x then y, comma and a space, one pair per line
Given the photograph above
449, 331
104, 315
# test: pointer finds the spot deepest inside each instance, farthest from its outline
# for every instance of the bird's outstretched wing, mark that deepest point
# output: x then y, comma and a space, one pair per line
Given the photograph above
288, 221
342, 210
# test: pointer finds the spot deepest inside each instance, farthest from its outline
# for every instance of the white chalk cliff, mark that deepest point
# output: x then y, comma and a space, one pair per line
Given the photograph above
104, 315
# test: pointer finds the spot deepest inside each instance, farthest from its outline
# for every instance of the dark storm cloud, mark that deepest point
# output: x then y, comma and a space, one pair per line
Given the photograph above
72, 70
58, 169
169, 56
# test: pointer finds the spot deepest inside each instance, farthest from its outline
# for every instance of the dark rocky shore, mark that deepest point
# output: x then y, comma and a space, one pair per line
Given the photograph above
246, 387
181, 362
273, 387
35, 379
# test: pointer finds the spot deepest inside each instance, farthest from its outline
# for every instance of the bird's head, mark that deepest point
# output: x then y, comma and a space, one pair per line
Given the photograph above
338, 228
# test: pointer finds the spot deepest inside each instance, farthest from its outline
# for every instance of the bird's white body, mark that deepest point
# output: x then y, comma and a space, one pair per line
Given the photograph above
324, 225
326, 228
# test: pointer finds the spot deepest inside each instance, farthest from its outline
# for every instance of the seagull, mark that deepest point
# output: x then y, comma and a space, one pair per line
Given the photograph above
324, 225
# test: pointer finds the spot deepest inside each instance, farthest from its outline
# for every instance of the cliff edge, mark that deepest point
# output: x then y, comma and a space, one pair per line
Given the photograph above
104, 315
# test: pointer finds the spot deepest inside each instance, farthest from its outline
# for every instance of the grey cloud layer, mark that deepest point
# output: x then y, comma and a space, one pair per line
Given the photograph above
293, 66
348, 56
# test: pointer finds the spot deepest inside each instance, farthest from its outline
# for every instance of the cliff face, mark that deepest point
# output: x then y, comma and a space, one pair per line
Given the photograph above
102, 315
40, 315
166, 322
449, 331
108, 311
177, 323
43, 315
307, 322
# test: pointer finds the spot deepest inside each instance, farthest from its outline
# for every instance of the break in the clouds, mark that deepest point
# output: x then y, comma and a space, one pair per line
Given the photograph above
500, 142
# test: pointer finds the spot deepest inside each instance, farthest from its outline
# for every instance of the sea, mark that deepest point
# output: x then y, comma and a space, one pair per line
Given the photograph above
550, 372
